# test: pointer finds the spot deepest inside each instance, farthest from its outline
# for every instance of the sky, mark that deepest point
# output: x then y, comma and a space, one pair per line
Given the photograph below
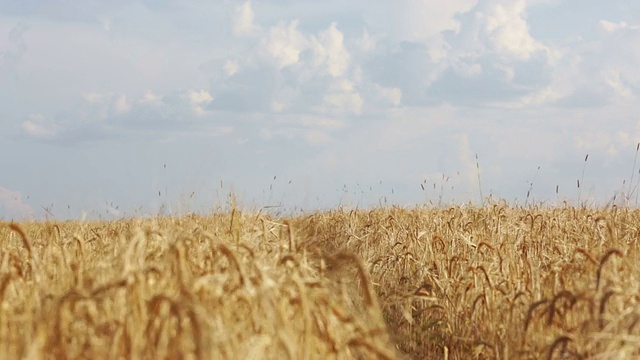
111, 109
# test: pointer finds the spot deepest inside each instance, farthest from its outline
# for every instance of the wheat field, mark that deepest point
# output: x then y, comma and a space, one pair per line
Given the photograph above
492, 282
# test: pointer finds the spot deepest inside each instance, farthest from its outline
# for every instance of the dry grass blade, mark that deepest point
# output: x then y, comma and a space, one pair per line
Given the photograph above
369, 293
560, 341
603, 261
379, 352
23, 237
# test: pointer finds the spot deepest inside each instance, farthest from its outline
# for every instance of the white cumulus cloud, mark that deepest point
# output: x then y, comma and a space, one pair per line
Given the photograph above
200, 97
284, 44
230, 68
198, 100
329, 50
509, 32
243, 21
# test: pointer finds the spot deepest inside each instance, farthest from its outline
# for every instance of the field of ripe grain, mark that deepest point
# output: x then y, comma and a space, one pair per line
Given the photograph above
390, 283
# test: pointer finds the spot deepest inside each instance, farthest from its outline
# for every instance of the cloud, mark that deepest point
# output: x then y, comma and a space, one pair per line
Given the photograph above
13, 207
609, 26
151, 99
508, 31
173, 113
198, 100
473, 54
391, 95
416, 79
602, 70
479, 54
617, 82
100, 116
199, 97
601, 140
230, 68
417, 20
620, 56
284, 43
367, 42
37, 130
93, 97
254, 89
418, 24
343, 98
329, 50
121, 106
243, 21
291, 71
407, 67
468, 164
469, 53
